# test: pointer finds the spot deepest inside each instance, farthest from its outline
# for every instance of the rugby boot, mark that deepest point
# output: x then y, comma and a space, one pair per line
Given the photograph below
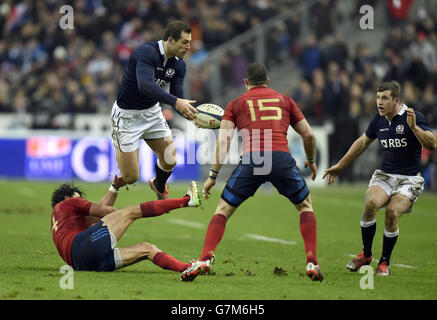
193, 193
197, 268
160, 195
358, 261
313, 271
383, 269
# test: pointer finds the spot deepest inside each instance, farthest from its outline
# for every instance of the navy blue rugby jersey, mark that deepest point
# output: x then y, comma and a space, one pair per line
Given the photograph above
150, 77
401, 151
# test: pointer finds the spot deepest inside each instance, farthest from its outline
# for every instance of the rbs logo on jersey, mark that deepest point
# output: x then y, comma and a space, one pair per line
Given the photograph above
160, 82
394, 143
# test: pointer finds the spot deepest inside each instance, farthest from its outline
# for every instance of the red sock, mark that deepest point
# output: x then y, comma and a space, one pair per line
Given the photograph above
167, 262
214, 234
308, 230
158, 207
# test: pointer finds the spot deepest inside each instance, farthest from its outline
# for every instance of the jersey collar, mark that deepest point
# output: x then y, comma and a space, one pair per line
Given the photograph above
401, 112
403, 109
162, 51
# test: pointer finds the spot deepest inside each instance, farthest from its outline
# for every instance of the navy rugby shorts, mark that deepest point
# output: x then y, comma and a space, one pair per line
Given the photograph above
282, 172
92, 250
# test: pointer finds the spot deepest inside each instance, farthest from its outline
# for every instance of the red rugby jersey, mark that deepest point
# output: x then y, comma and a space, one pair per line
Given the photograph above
262, 116
68, 219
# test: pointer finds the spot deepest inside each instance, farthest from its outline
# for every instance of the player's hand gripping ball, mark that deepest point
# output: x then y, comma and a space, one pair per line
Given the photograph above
209, 116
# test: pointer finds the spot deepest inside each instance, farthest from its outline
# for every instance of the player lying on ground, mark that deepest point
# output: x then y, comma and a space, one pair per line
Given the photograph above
86, 233
398, 183
262, 116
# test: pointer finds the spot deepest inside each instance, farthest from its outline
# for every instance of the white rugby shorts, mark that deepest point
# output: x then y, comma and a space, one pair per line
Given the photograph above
129, 126
409, 186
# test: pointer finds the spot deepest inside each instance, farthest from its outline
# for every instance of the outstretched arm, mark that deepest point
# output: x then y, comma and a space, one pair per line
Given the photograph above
358, 147
309, 144
105, 205
222, 145
111, 195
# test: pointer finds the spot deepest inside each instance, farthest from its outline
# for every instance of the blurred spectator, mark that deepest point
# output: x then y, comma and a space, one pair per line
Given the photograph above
426, 52
322, 17
398, 11
310, 58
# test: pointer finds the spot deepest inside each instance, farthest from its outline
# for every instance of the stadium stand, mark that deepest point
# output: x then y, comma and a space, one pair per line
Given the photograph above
50, 78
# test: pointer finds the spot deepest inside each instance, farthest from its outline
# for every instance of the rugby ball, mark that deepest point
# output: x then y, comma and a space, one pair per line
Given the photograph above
209, 116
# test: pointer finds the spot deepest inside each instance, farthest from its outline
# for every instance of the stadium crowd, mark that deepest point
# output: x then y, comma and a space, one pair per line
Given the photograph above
46, 70
340, 85
43, 67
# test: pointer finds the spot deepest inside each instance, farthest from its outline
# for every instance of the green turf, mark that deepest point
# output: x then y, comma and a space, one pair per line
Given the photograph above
244, 268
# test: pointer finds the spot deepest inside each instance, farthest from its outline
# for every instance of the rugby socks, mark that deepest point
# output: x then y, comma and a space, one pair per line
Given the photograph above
368, 230
158, 207
388, 243
214, 235
308, 230
161, 177
166, 261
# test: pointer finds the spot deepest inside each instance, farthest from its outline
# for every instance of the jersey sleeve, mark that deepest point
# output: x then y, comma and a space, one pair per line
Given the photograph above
371, 130
421, 121
229, 112
177, 84
80, 205
145, 72
296, 114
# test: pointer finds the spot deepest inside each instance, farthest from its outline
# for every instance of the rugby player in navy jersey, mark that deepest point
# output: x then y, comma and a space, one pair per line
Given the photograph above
262, 116
154, 74
396, 185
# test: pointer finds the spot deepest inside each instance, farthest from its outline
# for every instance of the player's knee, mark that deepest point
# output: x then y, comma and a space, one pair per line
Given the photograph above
224, 209
150, 250
370, 205
131, 178
305, 205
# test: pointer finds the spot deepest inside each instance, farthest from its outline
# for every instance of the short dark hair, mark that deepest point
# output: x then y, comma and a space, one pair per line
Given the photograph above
64, 190
393, 86
175, 29
256, 74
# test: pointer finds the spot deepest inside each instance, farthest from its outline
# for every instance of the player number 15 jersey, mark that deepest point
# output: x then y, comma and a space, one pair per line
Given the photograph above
262, 116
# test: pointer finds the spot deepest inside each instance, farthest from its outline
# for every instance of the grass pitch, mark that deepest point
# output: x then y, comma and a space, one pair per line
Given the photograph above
261, 256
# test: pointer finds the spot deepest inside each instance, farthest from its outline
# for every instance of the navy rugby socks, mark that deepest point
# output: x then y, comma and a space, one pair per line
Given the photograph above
161, 178
388, 243
368, 230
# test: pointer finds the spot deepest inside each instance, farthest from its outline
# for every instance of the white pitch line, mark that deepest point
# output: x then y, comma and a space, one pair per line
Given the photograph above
268, 239
392, 264
186, 223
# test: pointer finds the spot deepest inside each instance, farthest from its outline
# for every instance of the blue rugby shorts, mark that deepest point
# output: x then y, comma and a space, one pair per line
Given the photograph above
284, 175
92, 249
